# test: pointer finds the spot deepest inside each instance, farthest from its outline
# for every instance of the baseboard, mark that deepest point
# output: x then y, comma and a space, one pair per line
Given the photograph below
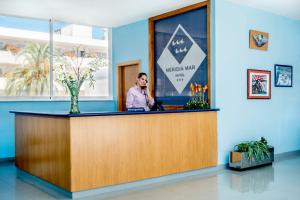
113, 190
9, 159
45, 186
286, 155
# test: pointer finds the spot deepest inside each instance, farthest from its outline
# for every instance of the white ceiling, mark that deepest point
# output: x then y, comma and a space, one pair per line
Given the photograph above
288, 8
112, 13
107, 13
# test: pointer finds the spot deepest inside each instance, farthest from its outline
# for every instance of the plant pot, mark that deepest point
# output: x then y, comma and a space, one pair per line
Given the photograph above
240, 160
74, 107
74, 88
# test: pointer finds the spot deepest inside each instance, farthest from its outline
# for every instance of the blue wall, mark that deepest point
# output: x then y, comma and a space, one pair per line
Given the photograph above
130, 42
241, 119
7, 137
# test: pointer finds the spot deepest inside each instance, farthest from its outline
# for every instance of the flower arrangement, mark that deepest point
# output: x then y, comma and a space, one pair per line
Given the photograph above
72, 71
199, 99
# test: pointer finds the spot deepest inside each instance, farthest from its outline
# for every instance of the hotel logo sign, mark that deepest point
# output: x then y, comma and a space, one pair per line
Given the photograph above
181, 58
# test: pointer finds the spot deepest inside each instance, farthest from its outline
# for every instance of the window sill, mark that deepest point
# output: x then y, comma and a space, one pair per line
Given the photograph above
54, 99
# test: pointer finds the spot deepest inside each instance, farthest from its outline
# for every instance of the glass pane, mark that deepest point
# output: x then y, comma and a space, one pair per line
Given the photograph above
77, 49
24, 57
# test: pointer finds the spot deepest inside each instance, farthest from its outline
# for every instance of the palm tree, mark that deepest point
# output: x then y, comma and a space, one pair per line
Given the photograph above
32, 78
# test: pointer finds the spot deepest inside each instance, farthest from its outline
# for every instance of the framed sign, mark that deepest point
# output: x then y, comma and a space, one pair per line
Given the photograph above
179, 52
283, 75
258, 84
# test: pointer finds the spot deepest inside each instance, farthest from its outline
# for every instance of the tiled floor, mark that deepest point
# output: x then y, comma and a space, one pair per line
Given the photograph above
278, 182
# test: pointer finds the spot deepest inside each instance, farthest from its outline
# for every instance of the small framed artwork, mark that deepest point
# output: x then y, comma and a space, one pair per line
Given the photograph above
258, 40
258, 84
283, 75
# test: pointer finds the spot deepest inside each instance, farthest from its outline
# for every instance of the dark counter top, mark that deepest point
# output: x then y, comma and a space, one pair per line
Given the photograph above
104, 113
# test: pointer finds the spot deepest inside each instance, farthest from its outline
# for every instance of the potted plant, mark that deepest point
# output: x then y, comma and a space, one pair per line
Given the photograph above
73, 70
251, 154
199, 98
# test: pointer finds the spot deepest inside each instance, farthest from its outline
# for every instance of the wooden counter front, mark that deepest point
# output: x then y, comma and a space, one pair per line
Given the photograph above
81, 153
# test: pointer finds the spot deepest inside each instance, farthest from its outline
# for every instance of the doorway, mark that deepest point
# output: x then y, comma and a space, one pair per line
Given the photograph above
127, 73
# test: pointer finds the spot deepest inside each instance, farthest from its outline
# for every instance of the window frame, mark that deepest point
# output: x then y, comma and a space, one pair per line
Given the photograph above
51, 96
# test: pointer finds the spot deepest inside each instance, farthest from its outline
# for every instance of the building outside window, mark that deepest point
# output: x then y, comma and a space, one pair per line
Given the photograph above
26, 51
24, 57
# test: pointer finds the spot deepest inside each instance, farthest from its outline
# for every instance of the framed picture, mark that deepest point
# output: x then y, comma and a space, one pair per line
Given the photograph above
283, 75
258, 84
258, 40
179, 49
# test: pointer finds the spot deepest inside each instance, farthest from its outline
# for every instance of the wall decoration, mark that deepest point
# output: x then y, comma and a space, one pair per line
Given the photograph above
258, 40
283, 75
258, 84
179, 52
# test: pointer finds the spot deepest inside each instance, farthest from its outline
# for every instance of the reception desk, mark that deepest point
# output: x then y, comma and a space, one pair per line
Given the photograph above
79, 152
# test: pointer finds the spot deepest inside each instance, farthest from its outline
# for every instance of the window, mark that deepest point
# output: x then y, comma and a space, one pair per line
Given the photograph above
79, 45
26, 52
24, 57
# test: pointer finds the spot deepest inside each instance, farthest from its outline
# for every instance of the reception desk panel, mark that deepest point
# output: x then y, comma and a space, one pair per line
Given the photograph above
43, 148
118, 149
87, 152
